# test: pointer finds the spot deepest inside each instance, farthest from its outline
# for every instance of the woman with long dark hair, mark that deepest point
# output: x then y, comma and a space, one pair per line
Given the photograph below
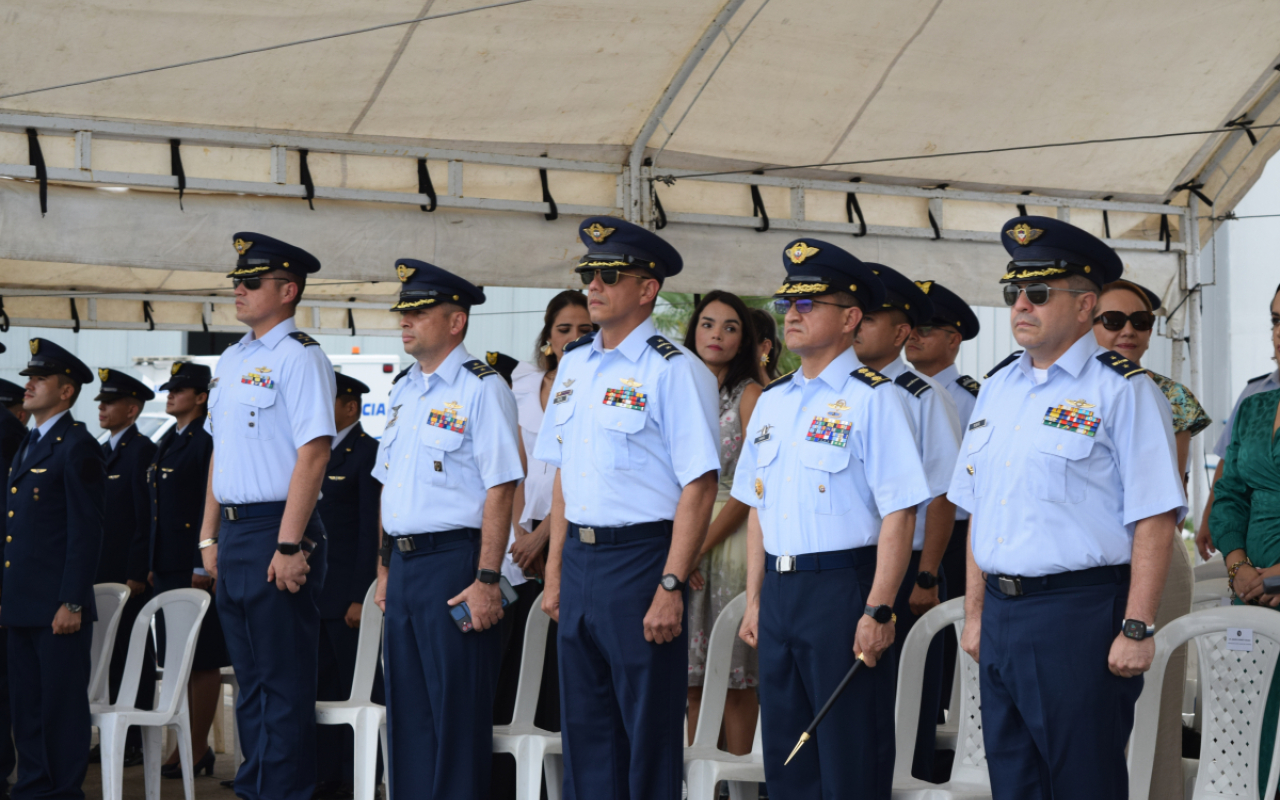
769, 346
723, 334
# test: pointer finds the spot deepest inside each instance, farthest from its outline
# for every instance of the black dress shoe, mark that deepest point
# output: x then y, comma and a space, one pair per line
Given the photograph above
231, 784
205, 765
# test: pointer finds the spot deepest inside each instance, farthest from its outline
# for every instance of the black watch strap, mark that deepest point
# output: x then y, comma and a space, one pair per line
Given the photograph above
488, 576
881, 614
926, 580
384, 552
288, 548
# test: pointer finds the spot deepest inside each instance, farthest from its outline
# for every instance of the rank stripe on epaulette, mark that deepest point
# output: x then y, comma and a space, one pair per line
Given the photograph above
1009, 359
306, 340
780, 380
665, 348
969, 385
912, 383
580, 341
1121, 364
479, 368
869, 376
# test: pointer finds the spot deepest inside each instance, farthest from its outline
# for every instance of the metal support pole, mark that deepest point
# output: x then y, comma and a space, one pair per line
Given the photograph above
1197, 488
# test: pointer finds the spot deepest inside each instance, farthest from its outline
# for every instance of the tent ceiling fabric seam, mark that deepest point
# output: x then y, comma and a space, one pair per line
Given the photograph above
391, 65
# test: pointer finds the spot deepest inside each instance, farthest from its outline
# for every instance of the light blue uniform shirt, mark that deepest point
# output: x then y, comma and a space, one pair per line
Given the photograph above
937, 435
826, 458
1048, 497
965, 401
268, 397
629, 429
451, 437
1264, 384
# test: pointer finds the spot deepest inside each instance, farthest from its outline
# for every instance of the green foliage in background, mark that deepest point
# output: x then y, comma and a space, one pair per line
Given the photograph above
671, 316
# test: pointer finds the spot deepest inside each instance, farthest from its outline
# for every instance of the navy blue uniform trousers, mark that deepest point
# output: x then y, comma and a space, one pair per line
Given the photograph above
273, 639
807, 623
622, 699
1055, 721
440, 681
48, 692
931, 689
8, 756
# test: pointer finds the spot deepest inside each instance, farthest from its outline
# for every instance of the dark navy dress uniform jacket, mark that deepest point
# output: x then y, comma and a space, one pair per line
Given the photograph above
348, 508
127, 529
178, 483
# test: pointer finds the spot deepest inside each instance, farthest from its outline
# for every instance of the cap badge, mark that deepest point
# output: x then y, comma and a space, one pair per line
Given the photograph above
598, 232
35, 346
405, 273
242, 246
925, 286
492, 358
800, 251
103, 374
1024, 234
173, 370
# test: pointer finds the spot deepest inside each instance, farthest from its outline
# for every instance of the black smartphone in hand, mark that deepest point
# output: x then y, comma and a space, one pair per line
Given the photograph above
462, 614
1271, 585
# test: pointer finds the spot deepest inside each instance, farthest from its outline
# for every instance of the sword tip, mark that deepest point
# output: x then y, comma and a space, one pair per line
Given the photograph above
804, 737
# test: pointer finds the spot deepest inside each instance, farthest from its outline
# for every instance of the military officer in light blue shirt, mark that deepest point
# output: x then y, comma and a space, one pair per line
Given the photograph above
631, 428
1069, 470
833, 479
448, 463
271, 420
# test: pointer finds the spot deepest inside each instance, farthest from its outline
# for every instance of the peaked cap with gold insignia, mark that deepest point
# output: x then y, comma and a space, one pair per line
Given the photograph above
423, 285
617, 244
188, 375
1044, 248
950, 310
349, 386
904, 294
10, 393
503, 363
48, 358
258, 255
815, 268
117, 384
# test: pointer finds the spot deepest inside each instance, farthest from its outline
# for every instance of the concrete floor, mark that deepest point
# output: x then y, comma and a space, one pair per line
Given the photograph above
135, 789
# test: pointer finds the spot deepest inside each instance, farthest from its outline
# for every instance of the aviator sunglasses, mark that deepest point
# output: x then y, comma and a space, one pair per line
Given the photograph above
608, 276
1115, 320
255, 283
803, 305
1037, 293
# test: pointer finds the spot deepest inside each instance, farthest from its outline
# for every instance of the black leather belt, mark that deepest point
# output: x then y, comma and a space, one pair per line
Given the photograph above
426, 541
620, 535
251, 510
816, 562
1014, 586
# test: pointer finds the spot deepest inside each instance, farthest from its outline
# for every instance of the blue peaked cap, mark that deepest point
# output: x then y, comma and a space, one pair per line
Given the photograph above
1044, 247
423, 285
815, 268
618, 244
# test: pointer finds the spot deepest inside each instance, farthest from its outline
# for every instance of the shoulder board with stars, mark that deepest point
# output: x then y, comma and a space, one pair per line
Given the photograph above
1121, 364
912, 383
869, 376
478, 368
580, 341
779, 381
665, 348
1259, 378
307, 341
969, 385
401, 374
1009, 359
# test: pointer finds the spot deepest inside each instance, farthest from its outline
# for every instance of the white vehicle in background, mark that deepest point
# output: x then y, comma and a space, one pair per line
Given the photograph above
376, 371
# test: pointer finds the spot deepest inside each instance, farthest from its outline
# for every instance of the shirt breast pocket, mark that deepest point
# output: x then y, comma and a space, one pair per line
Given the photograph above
827, 485
257, 414
620, 427
766, 458
441, 453
976, 456
1064, 459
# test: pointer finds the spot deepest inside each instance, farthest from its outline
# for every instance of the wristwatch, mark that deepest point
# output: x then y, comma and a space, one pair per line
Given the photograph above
1138, 630
926, 580
488, 576
73, 608
288, 548
881, 614
671, 583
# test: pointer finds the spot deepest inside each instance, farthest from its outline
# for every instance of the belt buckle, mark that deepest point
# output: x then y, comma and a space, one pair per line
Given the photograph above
587, 535
230, 513
406, 544
786, 564
1010, 585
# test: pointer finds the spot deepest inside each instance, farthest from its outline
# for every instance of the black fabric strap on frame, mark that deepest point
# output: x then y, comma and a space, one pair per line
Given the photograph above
1106, 221
757, 207
351, 318
36, 156
1243, 124
4, 318
851, 208
933, 223
75, 316
661, 221
304, 172
1022, 207
1194, 188
204, 323
1166, 235
425, 186
175, 168
146, 314
554, 213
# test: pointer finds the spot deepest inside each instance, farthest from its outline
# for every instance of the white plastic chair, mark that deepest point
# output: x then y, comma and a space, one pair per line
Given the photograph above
949, 730
1207, 593
365, 717
537, 752
969, 778
109, 600
1234, 686
184, 609
1215, 567
705, 764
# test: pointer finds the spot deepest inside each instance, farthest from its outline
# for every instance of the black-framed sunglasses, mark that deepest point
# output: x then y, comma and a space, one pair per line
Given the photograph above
608, 275
1115, 320
255, 283
803, 305
1037, 293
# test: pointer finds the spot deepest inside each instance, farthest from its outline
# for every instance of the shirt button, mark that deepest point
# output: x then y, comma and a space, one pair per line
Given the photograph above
1017, 427
1002, 502
820, 463
584, 474
1033, 397
250, 424
821, 488
788, 479
399, 485
252, 413
1001, 539
1008, 463
584, 441
437, 441
584, 508
11, 513
395, 515
1059, 447
784, 516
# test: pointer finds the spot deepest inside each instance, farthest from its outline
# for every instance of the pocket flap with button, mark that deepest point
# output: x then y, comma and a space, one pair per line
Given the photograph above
623, 420
1071, 446
264, 398
767, 452
564, 410
440, 439
825, 457
977, 439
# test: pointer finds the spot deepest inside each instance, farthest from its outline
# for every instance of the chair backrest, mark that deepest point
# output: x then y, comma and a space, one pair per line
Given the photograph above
715, 685
1215, 567
367, 647
1234, 687
184, 610
1209, 593
109, 600
970, 765
529, 683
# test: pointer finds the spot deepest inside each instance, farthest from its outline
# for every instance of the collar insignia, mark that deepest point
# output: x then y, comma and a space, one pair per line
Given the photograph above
634, 384
405, 273
598, 232
1024, 234
103, 374
242, 246
800, 251
35, 346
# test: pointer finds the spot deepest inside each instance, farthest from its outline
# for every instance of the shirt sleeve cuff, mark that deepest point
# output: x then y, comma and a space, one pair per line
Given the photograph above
745, 496
888, 505
491, 481
688, 476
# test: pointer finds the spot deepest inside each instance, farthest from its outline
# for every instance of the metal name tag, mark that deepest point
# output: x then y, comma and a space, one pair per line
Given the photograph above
587, 535
786, 564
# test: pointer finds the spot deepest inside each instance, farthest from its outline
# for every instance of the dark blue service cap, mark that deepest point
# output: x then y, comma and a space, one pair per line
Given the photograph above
2, 347
618, 244
348, 385
10, 393
503, 363
424, 285
949, 310
48, 358
815, 268
260, 254
188, 375
1044, 247
901, 292
117, 384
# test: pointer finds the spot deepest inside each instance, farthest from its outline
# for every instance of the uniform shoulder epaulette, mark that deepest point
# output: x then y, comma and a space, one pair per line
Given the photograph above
299, 336
969, 385
1121, 364
580, 341
478, 368
1009, 359
912, 383
665, 349
401, 374
779, 381
1262, 377
869, 376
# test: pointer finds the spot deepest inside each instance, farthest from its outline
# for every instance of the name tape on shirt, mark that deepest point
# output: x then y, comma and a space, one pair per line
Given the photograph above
829, 431
562, 397
973, 426
627, 397
1074, 415
259, 380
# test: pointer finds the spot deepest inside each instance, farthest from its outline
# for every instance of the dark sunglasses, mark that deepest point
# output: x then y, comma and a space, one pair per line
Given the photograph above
1037, 293
803, 305
1115, 320
609, 276
255, 283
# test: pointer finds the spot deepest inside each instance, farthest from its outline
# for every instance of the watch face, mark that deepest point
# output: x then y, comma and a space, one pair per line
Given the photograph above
1135, 629
669, 582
